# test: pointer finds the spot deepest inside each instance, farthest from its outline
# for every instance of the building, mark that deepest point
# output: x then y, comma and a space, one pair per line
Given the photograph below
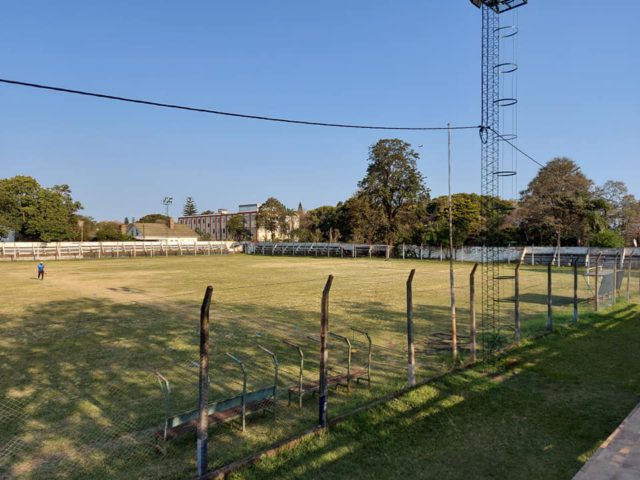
216, 223
166, 232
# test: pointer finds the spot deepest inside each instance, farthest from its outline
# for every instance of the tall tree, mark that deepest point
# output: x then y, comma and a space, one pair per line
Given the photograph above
236, 228
393, 182
555, 206
620, 207
359, 220
272, 216
37, 213
189, 207
467, 221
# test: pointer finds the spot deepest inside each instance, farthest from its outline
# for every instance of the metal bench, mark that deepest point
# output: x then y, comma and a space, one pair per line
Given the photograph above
343, 379
219, 411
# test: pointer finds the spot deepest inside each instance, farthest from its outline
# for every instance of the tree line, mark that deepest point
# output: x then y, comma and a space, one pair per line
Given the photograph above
392, 204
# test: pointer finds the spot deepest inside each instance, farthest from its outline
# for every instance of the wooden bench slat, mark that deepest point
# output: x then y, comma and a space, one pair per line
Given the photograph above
216, 417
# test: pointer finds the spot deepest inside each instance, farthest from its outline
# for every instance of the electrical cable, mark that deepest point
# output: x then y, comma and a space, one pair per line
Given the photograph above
257, 117
227, 114
506, 140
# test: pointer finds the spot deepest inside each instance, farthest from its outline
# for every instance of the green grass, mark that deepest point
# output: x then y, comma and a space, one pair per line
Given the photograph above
537, 413
78, 398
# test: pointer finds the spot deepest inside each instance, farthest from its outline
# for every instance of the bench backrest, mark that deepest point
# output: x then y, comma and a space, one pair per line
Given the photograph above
223, 406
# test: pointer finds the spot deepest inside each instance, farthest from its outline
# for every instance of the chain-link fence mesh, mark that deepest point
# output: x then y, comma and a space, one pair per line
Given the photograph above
89, 383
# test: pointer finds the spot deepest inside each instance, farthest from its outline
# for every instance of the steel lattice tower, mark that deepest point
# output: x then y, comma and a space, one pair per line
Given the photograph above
490, 158
490, 163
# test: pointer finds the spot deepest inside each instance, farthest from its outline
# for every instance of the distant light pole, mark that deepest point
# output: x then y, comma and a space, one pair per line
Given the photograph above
81, 227
167, 201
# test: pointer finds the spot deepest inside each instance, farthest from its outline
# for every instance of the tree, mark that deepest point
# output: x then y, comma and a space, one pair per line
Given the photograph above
126, 220
359, 220
272, 216
203, 236
37, 213
108, 231
321, 222
606, 239
236, 228
393, 182
207, 212
467, 221
189, 207
556, 204
619, 208
85, 228
154, 218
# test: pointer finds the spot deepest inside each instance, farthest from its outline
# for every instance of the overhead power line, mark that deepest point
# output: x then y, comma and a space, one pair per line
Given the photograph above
506, 140
254, 117
226, 114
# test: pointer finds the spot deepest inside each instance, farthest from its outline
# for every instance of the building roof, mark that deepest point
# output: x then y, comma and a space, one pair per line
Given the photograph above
178, 230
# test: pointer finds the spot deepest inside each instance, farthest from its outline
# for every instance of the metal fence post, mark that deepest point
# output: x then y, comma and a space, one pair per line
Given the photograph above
549, 299
203, 395
597, 277
575, 289
629, 278
472, 311
411, 362
324, 353
615, 280
516, 300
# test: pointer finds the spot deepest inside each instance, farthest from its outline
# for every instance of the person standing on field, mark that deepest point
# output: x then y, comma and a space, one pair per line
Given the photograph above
41, 271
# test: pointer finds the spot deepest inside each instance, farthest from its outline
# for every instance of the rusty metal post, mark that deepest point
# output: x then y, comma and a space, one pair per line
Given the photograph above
629, 278
549, 299
597, 278
615, 280
411, 361
324, 353
203, 395
516, 312
575, 289
472, 311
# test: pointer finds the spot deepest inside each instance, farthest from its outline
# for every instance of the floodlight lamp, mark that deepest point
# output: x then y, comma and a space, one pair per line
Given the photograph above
500, 6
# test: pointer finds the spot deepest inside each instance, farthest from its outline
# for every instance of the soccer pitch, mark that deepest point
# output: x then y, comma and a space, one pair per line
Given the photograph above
78, 393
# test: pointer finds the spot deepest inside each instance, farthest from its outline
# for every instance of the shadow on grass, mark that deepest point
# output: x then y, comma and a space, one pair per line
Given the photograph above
536, 413
78, 398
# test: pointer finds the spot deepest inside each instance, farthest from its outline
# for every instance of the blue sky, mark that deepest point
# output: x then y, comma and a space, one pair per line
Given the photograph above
410, 62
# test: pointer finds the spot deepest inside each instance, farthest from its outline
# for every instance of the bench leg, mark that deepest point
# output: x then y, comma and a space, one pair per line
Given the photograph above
161, 445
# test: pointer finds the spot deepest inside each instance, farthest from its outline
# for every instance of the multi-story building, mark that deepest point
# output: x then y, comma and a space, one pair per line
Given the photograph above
215, 223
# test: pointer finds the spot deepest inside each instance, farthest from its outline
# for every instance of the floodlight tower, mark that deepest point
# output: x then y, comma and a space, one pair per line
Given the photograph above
491, 171
167, 201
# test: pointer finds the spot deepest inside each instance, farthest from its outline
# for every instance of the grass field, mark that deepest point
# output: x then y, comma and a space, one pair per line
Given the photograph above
78, 398
538, 413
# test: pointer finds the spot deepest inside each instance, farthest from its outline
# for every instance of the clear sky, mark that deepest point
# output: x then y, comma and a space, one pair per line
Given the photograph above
406, 62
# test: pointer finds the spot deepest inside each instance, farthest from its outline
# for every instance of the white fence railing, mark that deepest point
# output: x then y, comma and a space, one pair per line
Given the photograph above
529, 255
78, 250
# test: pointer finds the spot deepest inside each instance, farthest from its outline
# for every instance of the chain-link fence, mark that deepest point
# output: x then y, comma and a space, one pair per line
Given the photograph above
105, 389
